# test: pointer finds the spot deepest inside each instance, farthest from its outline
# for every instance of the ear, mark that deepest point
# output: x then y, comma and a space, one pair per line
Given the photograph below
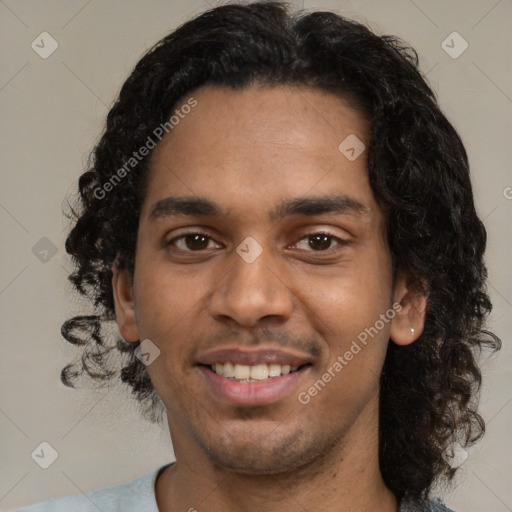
409, 321
122, 287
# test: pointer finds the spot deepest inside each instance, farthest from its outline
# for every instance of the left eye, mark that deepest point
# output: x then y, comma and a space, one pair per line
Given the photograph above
192, 242
319, 241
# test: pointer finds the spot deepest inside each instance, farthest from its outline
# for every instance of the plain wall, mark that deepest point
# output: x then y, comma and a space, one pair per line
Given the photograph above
52, 113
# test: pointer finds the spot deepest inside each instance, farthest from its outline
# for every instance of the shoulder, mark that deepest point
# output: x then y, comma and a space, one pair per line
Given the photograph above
136, 495
425, 506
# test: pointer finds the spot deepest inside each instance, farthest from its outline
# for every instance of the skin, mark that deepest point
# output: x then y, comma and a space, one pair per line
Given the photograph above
249, 151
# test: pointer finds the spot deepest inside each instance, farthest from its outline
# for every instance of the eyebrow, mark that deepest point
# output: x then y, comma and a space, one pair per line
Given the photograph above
307, 206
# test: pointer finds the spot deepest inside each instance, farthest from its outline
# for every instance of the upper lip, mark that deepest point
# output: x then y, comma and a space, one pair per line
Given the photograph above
250, 357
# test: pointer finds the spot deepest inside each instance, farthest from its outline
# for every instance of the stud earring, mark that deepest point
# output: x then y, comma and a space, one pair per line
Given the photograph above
412, 331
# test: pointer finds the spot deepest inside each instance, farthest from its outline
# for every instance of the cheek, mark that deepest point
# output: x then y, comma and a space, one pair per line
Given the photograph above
345, 308
167, 306
349, 300
346, 317
165, 299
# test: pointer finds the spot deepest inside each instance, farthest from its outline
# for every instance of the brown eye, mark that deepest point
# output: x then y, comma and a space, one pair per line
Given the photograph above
193, 242
196, 242
318, 242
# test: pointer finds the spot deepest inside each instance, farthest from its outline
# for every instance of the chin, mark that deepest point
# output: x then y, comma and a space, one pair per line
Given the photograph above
268, 454
258, 462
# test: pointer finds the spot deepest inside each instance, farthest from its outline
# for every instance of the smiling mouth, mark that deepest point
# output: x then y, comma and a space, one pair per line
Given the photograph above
253, 373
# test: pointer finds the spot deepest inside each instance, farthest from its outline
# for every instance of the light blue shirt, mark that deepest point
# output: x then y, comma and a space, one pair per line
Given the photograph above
139, 496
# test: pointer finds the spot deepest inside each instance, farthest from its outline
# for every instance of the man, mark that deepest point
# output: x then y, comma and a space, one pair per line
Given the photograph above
281, 221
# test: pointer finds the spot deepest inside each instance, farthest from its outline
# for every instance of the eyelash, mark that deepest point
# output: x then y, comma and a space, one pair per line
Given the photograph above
339, 240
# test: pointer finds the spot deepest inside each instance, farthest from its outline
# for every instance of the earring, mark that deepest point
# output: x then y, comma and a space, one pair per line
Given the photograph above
412, 331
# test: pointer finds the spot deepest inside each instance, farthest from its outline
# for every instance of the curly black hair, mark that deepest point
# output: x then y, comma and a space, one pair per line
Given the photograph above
418, 171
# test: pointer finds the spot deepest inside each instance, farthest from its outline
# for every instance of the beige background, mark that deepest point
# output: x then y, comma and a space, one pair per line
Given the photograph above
52, 112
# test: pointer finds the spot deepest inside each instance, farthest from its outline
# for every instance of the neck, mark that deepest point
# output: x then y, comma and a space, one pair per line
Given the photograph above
347, 479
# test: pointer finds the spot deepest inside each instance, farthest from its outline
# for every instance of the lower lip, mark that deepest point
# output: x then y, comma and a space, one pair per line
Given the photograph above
251, 394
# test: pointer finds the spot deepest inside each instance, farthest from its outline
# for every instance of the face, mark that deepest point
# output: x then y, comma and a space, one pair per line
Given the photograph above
261, 259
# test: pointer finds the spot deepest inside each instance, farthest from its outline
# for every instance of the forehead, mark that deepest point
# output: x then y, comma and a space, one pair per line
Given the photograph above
261, 142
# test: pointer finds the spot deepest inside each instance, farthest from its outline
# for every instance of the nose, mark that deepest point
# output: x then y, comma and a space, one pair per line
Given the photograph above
250, 292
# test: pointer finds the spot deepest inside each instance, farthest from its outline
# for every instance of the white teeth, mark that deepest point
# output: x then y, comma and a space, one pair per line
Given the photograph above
257, 372
242, 371
274, 370
229, 370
